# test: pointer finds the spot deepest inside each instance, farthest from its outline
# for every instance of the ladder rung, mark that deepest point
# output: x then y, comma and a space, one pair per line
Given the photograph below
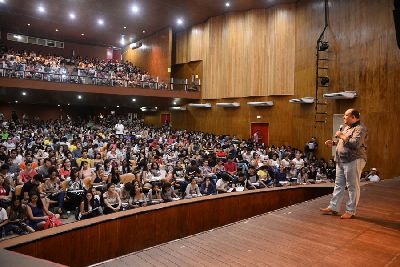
322, 113
321, 121
323, 59
323, 68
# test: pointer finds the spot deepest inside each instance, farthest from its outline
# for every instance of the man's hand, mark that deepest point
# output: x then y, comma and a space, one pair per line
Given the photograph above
329, 143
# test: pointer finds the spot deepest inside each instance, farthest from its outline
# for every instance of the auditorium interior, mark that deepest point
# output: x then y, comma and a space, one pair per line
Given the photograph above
192, 133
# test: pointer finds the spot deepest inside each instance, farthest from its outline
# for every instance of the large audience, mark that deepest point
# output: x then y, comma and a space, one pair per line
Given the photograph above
37, 66
51, 170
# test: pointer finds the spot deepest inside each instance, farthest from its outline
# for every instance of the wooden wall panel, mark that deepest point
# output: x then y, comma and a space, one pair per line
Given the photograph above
155, 54
195, 43
181, 44
244, 53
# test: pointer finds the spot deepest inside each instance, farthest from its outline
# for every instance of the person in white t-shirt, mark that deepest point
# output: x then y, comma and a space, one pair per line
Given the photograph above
372, 176
298, 161
119, 128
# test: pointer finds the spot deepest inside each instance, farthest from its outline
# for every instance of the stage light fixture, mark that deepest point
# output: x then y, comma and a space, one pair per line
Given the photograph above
72, 15
323, 46
324, 81
227, 4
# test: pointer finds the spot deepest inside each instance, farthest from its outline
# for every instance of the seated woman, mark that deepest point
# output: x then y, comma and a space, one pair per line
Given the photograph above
114, 176
5, 191
53, 189
37, 214
192, 189
89, 207
97, 159
137, 199
112, 201
85, 171
17, 218
207, 187
302, 177
154, 194
65, 170
167, 193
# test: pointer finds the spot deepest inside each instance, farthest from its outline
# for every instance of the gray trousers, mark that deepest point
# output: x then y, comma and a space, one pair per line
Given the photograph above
347, 174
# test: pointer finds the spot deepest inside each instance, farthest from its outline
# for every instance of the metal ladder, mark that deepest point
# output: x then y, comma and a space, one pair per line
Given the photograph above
321, 75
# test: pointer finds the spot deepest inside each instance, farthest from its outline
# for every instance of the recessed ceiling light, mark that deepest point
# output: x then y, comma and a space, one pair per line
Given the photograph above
124, 27
23, 93
258, 117
72, 15
156, 107
143, 31
57, 30
100, 22
58, 105
41, 9
16, 101
68, 104
82, 34
28, 24
79, 97
133, 99
174, 103
179, 21
117, 106
2, 1
135, 9
227, 4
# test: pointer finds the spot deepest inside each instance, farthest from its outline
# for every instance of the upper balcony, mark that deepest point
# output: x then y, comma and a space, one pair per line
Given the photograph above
20, 78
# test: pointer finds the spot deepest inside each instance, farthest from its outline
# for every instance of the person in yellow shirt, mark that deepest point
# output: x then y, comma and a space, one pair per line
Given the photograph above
84, 157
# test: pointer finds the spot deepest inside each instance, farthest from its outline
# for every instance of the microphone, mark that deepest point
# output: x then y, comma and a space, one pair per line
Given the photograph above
340, 129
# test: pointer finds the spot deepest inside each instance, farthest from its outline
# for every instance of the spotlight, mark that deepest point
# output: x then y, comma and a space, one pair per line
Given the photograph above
117, 106
135, 9
100, 22
227, 4
323, 46
133, 99
24, 93
124, 27
28, 24
72, 15
41, 9
82, 34
16, 101
179, 21
57, 30
79, 97
324, 81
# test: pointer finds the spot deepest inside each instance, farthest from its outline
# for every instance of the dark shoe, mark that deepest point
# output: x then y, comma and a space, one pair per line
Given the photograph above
347, 215
328, 211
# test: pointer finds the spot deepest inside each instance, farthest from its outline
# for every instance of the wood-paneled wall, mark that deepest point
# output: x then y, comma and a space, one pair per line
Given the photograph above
244, 53
155, 54
364, 57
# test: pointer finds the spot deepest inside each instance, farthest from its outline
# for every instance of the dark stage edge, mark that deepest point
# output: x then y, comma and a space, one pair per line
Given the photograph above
294, 236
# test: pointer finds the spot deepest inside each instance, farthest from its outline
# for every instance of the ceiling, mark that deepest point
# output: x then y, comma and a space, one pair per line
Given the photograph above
153, 15
63, 98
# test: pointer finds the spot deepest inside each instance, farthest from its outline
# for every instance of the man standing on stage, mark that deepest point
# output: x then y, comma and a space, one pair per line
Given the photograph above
351, 156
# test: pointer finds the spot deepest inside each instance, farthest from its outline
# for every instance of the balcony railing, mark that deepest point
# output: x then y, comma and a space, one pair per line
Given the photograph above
95, 79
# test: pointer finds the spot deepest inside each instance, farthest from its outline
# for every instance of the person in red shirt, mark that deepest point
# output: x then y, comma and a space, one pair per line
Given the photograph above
27, 173
231, 167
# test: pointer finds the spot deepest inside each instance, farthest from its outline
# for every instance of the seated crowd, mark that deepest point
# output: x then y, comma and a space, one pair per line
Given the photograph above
54, 168
31, 65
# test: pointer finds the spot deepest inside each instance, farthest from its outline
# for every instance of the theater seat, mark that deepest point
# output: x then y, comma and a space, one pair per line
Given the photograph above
18, 189
126, 178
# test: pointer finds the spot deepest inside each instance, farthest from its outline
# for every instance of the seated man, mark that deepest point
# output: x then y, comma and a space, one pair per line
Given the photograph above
222, 185
372, 176
241, 183
254, 178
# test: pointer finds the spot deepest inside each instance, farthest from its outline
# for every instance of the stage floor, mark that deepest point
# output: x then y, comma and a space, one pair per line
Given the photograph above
294, 236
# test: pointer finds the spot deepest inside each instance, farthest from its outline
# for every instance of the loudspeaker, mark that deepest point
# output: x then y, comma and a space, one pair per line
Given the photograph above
396, 15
